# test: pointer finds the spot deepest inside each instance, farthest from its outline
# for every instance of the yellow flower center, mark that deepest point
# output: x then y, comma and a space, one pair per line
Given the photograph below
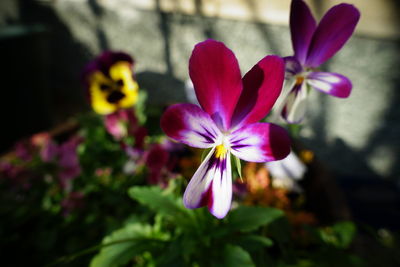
221, 151
299, 80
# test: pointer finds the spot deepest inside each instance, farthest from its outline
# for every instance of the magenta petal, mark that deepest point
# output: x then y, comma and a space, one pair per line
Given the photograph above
332, 33
262, 85
295, 104
330, 83
260, 142
189, 124
216, 77
302, 27
211, 186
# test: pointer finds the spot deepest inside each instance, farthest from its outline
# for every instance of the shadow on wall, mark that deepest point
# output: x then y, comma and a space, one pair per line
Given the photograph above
42, 86
66, 58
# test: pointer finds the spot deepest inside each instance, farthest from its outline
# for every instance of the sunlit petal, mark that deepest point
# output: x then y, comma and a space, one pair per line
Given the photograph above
261, 87
217, 81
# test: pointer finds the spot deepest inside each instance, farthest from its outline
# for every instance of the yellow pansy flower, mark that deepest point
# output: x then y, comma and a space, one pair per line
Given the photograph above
110, 83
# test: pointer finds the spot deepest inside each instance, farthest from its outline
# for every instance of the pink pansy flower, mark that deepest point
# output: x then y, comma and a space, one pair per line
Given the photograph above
24, 150
161, 159
313, 45
123, 123
156, 161
227, 121
117, 123
69, 162
49, 151
73, 201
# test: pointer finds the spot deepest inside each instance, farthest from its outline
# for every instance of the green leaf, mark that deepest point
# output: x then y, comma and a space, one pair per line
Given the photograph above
161, 203
280, 230
140, 106
294, 129
238, 166
125, 243
339, 235
253, 242
237, 256
246, 218
345, 232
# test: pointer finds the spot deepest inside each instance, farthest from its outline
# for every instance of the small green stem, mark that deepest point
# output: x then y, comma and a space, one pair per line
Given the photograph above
72, 257
294, 130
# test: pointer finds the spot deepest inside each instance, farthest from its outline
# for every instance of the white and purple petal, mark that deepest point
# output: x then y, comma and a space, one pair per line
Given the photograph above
302, 27
286, 172
332, 33
189, 124
262, 86
290, 167
295, 104
216, 78
330, 83
211, 185
260, 142
221, 193
292, 67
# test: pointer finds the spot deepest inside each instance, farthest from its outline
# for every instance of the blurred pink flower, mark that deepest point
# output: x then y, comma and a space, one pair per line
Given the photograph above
103, 171
239, 188
16, 174
40, 139
123, 123
139, 134
118, 122
156, 160
73, 201
23, 150
68, 161
161, 159
49, 151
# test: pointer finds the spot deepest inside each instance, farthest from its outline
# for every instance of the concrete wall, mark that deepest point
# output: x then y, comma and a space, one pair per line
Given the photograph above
358, 136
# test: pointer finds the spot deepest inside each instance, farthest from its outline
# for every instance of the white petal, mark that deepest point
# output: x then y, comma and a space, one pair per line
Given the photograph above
211, 185
295, 106
222, 190
289, 167
199, 184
